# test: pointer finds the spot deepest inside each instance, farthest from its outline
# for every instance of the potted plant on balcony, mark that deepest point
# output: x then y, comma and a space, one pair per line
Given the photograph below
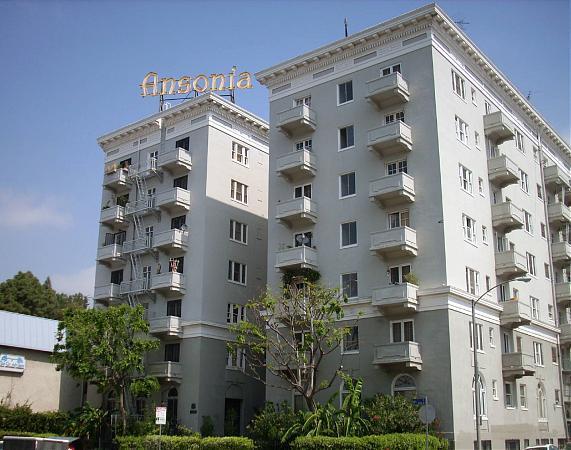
412, 278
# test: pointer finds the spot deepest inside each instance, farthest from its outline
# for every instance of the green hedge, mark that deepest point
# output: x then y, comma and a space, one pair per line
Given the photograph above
25, 433
400, 441
184, 443
21, 418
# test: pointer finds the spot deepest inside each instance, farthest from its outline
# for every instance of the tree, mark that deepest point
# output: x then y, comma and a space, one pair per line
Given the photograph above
291, 335
106, 347
392, 414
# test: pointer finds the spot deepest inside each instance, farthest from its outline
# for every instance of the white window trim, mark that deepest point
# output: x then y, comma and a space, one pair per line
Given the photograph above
341, 246
402, 321
230, 315
245, 268
458, 122
348, 101
245, 234
241, 202
302, 186
350, 352
341, 197
308, 138
341, 284
245, 155
462, 84
339, 149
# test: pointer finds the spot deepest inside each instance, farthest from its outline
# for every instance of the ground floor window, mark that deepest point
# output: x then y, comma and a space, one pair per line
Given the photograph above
404, 385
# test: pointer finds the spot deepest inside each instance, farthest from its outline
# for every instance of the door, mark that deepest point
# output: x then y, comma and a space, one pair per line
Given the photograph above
232, 417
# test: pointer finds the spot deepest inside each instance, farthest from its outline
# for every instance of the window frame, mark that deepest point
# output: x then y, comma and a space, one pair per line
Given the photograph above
234, 224
341, 196
349, 147
356, 282
242, 273
339, 85
352, 351
341, 246
234, 189
245, 151
401, 322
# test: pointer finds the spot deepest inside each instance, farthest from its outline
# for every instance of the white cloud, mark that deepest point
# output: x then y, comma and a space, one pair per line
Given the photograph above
27, 210
72, 283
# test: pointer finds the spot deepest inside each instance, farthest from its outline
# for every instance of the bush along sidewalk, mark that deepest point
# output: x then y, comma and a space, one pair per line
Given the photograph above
397, 441
183, 443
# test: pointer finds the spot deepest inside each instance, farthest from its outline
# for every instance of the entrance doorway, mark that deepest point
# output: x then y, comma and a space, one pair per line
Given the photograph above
232, 417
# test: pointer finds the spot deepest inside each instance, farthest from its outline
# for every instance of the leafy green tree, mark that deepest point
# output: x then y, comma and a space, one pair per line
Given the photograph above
392, 414
25, 294
270, 424
107, 347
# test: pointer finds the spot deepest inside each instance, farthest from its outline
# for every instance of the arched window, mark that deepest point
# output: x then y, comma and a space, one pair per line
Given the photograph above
541, 402
404, 385
482, 396
172, 406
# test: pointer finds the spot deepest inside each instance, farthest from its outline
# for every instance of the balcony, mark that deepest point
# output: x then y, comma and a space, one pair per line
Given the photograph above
565, 336
555, 178
117, 180
395, 242
166, 327
498, 127
141, 207
110, 254
566, 367
299, 211
137, 286
510, 264
396, 299
171, 240
390, 139
139, 245
165, 371
388, 90
399, 355
563, 292
146, 169
295, 258
297, 164
392, 190
502, 171
176, 161
517, 365
561, 252
506, 217
176, 200
558, 213
108, 294
514, 314
297, 120
115, 216
168, 283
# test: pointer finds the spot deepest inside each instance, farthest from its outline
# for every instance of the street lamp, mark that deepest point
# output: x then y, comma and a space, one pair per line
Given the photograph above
475, 345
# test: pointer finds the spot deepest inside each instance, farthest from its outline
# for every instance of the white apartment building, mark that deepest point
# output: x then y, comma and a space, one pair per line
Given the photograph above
412, 174
183, 232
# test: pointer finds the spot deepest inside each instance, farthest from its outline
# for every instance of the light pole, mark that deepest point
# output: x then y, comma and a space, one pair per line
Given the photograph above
474, 346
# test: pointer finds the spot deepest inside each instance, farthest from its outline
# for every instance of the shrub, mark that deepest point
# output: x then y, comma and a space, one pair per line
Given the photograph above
207, 428
24, 433
183, 443
325, 442
389, 414
404, 441
269, 425
21, 418
226, 443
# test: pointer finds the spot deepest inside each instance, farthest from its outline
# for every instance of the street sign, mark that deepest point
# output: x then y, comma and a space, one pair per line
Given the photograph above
419, 401
427, 414
161, 415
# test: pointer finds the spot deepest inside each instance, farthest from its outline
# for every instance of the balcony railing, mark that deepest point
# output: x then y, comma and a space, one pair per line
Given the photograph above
565, 336
171, 240
139, 245
388, 90
498, 127
563, 292
502, 171
514, 314
165, 371
510, 264
176, 199
561, 252
297, 120
299, 211
401, 354
146, 169
390, 139
117, 179
168, 283
110, 254
396, 298
141, 207
566, 367
137, 286
395, 242
108, 293
115, 215
168, 326
392, 190
506, 217
296, 257
297, 164
517, 365
555, 178
558, 213
178, 160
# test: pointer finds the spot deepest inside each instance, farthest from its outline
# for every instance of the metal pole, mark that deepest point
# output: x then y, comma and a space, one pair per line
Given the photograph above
476, 375
426, 409
160, 435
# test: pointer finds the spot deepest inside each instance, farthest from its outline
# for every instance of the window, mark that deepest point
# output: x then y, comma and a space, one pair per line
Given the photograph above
392, 69
397, 167
523, 396
303, 101
397, 275
465, 178
528, 222
458, 85
473, 95
178, 223
303, 239
482, 395
557, 397
183, 143
480, 186
512, 444
351, 340
495, 389
543, 230
488, 283
174, 308
477, 139
236, 359
469, 226
472, 281
306, 144
239, 192
348, 234
349, 285
240, 153
399, 219
538, 353
541, 402
554, 355
519, 141
176, 265
539, 192
302, 191
508, 395
346, 137
238, 231
487, 107
345, 92
172, 352
531, 264
402, 331
484, 235
546, 270
347, 185
536, 154
491, 337
237, 272
461, 130
534, 308
116, 277
523, 181
550, 312
180, 182
235, 313
404, 385
398, 116
480, 339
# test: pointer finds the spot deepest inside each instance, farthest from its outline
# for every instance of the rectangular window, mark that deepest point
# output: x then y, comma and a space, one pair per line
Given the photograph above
351, 340
397, 167
543, 230
392, 69
345, 91
174, 308
534, 308
172, 352
539, 192
349, 285
397, 274
183, 143
237, 272
480, 186
347, 185
239, 192
472, 281
236, 359
550, 312
240, 153
469, 226
116, 277
235, 313
176, 264
461, 130
465, 178
546, 270
495, 389
303, 101
484, 234
523, 181
477, 139
402, 331
302, 191
346, 137
480, 338
492, 337
528, 222
508, 395
531, 264
557, 397
238, 231
348, 234
474, 98
458, 85
306, 144
554, 355
178, 223
538, 353
487, 107
394, 117
399, 219
180, 182
519, 141
523, 396
303, 239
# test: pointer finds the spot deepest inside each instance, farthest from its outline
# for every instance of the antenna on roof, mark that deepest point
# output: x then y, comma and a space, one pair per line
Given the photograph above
461, 23
346, 32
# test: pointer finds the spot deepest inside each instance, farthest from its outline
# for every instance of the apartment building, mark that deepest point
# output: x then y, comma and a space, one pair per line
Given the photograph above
183, 232
411, 173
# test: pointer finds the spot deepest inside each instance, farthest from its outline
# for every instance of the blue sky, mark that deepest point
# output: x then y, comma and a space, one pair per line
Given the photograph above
70, 73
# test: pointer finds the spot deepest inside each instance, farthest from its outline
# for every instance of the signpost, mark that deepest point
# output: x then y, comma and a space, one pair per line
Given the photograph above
426, 413
160, 420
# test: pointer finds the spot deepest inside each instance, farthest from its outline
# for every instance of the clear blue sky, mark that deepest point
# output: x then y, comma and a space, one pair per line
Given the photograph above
70, 73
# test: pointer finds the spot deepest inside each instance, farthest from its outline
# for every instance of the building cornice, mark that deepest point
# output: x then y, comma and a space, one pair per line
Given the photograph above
188, 109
